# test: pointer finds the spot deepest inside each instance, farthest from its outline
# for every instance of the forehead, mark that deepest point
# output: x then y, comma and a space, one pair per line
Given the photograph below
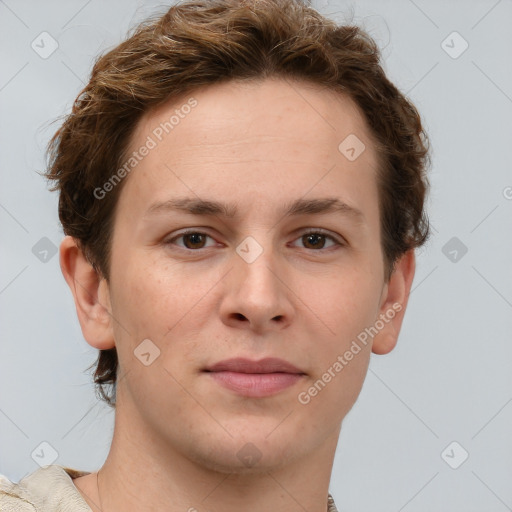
267, 139
302, 110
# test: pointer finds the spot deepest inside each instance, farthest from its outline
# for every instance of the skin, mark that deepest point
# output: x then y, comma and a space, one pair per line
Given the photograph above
259, 145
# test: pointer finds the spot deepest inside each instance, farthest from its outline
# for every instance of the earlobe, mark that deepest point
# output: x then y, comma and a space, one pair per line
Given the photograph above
383, 343
91, 294
394, 304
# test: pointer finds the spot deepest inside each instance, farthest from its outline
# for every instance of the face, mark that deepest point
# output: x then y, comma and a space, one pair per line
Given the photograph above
279, 274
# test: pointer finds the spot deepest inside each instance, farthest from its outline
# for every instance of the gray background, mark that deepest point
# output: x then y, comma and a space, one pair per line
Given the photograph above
449, 379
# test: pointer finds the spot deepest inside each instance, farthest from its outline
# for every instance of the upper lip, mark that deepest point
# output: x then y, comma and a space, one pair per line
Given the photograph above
242, 365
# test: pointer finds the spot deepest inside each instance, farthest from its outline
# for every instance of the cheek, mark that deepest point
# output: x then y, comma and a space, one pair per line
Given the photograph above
343, 355
142, 307
349, 305
155, 300
354, 308
148, 291
332, 391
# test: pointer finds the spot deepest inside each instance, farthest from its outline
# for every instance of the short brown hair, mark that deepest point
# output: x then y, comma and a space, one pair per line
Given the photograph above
197, 43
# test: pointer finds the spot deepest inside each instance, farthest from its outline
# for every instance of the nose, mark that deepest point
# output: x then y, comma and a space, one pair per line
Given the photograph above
258, 294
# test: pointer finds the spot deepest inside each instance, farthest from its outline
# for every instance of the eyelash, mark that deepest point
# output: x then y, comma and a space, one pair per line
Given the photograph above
312, 231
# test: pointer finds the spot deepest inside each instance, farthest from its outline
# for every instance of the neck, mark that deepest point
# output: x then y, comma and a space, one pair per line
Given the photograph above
142, 472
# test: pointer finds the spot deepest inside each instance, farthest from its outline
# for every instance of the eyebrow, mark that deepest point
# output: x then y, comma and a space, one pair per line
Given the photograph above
196, 206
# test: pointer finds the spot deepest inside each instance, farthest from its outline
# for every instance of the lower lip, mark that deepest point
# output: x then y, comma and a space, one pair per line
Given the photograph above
256, 385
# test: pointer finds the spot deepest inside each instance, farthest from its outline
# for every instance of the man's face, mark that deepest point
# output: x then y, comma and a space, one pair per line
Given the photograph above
254, 285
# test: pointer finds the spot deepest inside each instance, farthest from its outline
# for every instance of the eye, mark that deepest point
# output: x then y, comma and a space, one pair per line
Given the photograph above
315, 239
191, 240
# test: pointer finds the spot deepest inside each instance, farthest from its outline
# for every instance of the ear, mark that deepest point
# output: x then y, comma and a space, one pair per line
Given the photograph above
91, 294
395, 296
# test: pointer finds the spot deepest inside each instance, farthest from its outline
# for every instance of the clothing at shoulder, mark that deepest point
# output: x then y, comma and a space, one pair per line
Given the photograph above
331, 506
48, 489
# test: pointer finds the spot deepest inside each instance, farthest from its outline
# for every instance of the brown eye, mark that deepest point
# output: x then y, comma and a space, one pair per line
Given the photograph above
192, 240
316, 240
195, 240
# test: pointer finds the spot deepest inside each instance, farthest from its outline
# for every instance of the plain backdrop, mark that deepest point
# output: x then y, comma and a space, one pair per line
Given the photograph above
432, 427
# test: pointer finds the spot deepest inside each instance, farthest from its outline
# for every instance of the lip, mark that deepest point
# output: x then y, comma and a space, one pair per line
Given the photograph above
256, 379
243, 365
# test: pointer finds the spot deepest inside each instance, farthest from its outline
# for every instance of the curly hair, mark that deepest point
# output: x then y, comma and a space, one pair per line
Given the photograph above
197, 43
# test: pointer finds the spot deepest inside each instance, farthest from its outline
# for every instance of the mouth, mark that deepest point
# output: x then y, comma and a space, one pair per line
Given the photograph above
256, 379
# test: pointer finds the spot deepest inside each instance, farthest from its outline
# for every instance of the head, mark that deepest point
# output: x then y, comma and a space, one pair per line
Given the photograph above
257, 105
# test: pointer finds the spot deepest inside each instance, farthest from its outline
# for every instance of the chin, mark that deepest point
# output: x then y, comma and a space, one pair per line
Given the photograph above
243, 456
